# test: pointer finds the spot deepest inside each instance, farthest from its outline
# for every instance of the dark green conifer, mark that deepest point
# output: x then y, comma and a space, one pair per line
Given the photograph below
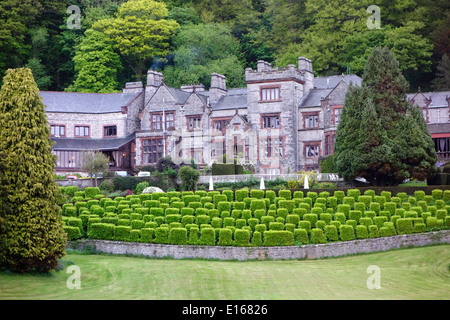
33, 237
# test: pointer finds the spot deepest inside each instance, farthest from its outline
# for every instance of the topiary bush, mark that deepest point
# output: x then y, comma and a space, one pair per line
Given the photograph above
278, 238
346, 232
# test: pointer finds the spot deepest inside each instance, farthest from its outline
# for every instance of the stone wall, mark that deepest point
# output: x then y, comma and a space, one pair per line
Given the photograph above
251, 253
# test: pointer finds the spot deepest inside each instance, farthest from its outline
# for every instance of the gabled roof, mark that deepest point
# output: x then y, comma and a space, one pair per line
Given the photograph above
91, 144
234, 99
332, 81
323, 86
438, 98
77, 102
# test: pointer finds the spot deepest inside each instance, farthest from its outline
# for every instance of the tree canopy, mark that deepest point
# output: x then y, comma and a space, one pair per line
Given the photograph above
381, 136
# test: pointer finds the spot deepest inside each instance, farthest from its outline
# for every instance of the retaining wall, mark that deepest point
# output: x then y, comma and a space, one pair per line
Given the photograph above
250, 253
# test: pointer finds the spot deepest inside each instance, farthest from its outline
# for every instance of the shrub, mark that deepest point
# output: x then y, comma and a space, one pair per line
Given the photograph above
260, 228
71, 211
189, 178
137, 224
305, 225
267, 220
317, 236
419, 227
294, 219
122, 233
286, 194
257, 239
240, 223
241, 194
361, 232
350, 201
90, 192
135, 235
366, 199
101, 231
373, 231
203, 219
207, 237
297, 194
331, 233
225, 237
332, 202
73, 233
282, 212
271, 195
375, 206
379, 221
354, 193
187, 211
278, 238
178, 236
312, 218
257, 204
161, 235
346, 232
276, 226
224, 206
405, 226
340, 216
365, 221
355, 215
242, 237
301, 236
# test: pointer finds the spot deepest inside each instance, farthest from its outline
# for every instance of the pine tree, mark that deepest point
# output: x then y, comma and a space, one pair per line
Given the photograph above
34, 238
382, 137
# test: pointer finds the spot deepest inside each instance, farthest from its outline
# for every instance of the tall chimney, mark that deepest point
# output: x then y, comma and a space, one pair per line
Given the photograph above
218, 87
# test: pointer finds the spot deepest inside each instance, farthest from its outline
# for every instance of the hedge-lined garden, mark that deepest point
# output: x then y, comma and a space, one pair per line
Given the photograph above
252, 217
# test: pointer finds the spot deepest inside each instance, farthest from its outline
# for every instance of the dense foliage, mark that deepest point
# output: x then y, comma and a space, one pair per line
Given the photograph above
381, 136
254, 217
146, 33
32, 236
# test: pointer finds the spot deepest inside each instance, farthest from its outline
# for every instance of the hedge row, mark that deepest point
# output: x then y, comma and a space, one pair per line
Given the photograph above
255, 217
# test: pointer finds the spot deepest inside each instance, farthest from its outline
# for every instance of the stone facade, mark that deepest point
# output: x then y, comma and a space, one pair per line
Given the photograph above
283, 121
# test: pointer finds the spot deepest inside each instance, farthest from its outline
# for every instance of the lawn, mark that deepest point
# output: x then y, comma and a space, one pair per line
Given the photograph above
413, 273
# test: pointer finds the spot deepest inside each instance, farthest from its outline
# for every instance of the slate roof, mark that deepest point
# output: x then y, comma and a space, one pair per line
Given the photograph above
78, 102
332, 81
234, 99
91, 144
438, 98
323, 86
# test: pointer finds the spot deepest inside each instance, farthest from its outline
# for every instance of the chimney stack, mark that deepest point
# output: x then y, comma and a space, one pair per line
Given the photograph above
218, 87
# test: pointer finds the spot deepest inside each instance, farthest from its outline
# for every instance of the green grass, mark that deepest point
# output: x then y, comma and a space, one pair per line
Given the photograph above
417, 273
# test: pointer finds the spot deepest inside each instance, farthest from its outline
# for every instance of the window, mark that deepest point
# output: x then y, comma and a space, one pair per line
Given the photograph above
110, 131
270, 94
311, 121
272, 171
271, 121
275, 147
157, 118
156, 121
170, 120
82, 131
152, 150
311, 151
329, 142
58, 131
336, 115
194, 122
220, 124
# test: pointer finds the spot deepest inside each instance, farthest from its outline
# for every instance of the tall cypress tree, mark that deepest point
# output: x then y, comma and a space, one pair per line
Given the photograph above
34, 238
382, 137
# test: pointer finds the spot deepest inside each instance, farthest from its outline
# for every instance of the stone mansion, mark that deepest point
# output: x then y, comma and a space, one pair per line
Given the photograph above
283, 121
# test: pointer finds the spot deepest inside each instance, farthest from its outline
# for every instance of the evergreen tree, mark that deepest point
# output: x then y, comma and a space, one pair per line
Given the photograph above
442, 81
381, 136
34, 238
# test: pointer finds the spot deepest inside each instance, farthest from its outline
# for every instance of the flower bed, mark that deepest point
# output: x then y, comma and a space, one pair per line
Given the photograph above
254, 217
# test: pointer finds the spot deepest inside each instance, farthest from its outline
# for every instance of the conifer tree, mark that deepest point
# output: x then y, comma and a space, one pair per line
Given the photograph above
382, 137
34, 238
